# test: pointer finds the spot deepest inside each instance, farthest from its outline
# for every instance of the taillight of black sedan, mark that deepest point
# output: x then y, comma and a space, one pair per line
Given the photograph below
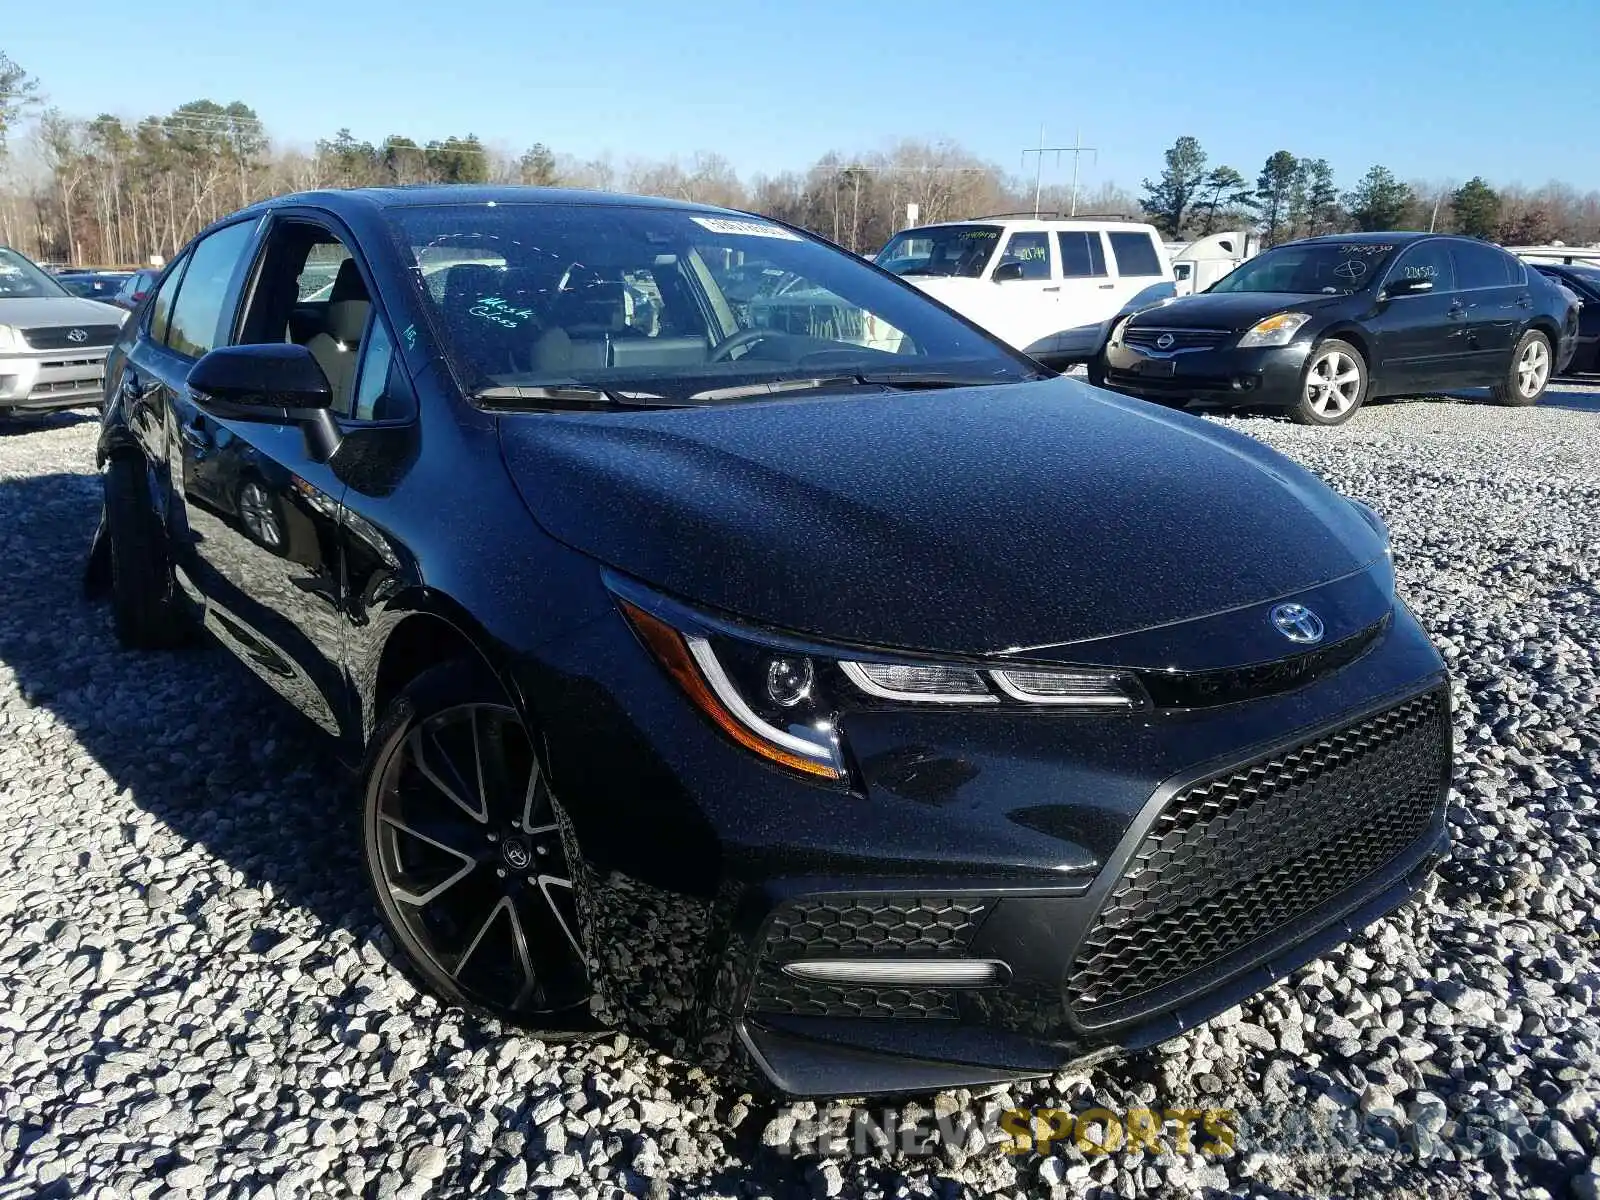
1319, 326
800, 678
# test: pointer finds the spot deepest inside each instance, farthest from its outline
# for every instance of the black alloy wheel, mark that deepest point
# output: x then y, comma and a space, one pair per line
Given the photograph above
463, 848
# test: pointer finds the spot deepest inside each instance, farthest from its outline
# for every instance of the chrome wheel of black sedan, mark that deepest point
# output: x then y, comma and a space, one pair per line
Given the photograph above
464, 850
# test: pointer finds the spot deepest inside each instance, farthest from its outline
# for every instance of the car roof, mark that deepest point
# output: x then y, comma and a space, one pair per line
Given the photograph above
1067, 223
1392, 237
346, 200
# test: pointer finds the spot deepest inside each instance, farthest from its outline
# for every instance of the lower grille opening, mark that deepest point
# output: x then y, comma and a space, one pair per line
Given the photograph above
878, 927
1236, 857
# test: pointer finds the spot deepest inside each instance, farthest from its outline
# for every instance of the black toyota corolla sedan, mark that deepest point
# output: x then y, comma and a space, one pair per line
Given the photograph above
1319, 326
817, 687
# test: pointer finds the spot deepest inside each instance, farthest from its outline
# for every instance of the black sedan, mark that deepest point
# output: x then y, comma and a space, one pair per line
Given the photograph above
1583, 281
1319, 326
837, 703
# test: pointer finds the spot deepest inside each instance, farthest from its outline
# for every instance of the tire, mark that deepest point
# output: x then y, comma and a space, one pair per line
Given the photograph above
467, 864
1096, 367
1333, 385
1528, 373
144, 602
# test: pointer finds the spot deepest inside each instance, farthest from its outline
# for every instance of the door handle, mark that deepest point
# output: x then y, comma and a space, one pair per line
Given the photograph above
1106, 287
1050, 289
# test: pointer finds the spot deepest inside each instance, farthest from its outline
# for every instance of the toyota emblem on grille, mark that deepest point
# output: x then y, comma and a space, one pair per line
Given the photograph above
1297, 623
77, 335
1164, 342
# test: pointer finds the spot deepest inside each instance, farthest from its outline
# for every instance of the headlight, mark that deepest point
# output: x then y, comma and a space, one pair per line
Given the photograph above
1277, 330
1116, 330
10, 339
784, 700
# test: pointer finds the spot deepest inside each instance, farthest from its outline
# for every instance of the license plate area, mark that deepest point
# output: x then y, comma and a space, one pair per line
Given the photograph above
1161, 368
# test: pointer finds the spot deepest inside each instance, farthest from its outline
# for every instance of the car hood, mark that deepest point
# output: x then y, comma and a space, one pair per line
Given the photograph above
25, 312
1235, 311
973, 520
945, 286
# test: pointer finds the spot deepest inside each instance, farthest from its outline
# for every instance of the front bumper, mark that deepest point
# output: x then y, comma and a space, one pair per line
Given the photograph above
1023, 840
1268, 375
41, 380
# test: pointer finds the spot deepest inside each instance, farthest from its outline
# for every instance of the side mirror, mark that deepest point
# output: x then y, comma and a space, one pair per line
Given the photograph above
1007, 272
277, 383
1408, 287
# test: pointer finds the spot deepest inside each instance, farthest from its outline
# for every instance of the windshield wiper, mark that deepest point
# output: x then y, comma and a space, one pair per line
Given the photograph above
938, 379
891, 379
569, 397
773, 387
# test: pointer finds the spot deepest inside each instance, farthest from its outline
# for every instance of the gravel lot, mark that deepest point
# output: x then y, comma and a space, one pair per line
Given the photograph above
195, 1000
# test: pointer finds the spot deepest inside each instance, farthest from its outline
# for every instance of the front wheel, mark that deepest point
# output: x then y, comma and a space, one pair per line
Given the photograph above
1332, 386
462, 845
1529, 373
144, 602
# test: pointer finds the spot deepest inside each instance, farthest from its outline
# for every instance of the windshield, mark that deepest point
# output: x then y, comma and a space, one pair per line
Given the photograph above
1328, 268
668, 303
21, 280
962, 250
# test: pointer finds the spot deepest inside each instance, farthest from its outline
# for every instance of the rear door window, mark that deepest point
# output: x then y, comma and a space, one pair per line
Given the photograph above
1032, 250
1135, 253
1479, 265
1083, 255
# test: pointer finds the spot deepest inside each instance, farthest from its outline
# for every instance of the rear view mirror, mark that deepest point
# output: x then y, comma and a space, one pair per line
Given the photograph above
1007, 272
1409, 287
277, 383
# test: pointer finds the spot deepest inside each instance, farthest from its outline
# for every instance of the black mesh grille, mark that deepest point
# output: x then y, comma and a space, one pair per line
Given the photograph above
842, 926
776, 993
862, 927
61, 337
1232, 859
1180, 339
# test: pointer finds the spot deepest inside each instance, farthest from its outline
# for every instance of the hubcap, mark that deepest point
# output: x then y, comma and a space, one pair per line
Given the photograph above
1533, 368
470, 853
255, 510
1333, 385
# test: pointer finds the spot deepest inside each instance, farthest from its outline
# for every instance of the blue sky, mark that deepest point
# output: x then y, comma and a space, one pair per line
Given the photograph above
1434, 89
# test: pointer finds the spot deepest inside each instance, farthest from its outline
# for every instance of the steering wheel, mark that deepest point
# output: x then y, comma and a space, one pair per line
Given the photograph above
723, 350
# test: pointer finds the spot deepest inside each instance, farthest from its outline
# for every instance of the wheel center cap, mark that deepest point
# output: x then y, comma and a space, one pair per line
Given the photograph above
516, 853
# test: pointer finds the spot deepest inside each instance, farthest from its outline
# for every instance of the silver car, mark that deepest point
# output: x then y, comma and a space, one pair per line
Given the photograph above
52, 344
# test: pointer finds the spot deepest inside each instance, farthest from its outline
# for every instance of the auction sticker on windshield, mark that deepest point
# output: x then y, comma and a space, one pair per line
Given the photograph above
745, 228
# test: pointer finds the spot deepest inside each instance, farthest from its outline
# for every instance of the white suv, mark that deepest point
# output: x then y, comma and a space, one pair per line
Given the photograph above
1048, 287
52, 344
